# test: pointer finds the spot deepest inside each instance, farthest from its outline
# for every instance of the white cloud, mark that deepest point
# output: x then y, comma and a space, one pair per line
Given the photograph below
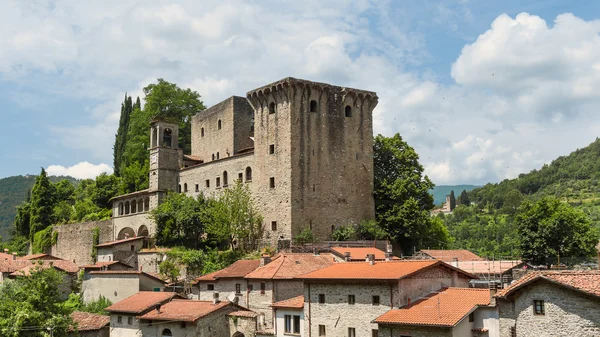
83, 170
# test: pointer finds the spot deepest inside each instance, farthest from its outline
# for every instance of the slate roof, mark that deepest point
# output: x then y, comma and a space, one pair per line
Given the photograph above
118, 242
445, 308
293, 303
360, 253
382, 270
448, 255
583, 281
141, 302
291, 265
184, 310
89, 322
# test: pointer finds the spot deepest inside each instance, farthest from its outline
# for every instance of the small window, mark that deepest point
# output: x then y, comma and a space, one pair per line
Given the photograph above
374, 333
210, 287
272, 108
213, 156
472, 317
185, 187
313, 106
217, 155
202, 132
197, 188
272, 182
219, 125
321, 298
119, 319
240, 177
348, 111
238, 288
248, 173
130, 320
167, 333
132, 248
296, 324
288, 323
351, 299
218, 182
225, 180
250, 287
183, 325
351, 332
272, 149
263, 286
321, 330
375, 299
538, 307
273, 225
207, 183
179, 188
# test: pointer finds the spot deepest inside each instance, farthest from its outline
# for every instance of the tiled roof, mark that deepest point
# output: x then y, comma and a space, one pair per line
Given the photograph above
238, 269
207, 277
63, 265
4, 257
194, 158
118, 242
360, 253
382, 270
242, 313
127, 272
184, 310
444, 308
88, 322
99, 265
294, 302
487, 267
39, 257
12, 266
154, 250
141, 302
451, 254
584, 281
291, 265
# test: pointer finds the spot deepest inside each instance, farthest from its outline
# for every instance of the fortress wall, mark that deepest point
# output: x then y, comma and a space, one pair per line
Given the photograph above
75, 241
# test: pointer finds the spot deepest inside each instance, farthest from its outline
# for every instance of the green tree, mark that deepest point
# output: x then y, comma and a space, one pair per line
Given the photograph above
180, 220
23, 219
463, 199
121, 136
305, 236
42, 204
170, 270
550, 229
452, 200
344, 233
370, 230
104, 188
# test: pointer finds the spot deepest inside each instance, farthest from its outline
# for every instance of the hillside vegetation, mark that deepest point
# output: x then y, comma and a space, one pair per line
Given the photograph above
440, 192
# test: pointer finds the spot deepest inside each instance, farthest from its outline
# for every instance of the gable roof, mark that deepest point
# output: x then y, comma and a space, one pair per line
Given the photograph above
383, 270
587, 282
141, 302
291, 265
62, 265
88, 322
11, 266
449, 255
238, 269
118, 242
100, 265
293, 303
445, 308
127, 272
181, 310
488, 267
360, 253
39, 257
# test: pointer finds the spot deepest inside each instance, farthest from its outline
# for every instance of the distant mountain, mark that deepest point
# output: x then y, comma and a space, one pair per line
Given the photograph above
440, 192
13, 191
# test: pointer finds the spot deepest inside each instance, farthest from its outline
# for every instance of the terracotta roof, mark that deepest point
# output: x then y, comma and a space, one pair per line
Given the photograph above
294, 302
445, 308
360, 253
584, 281
487, 267
141, 302
87, 321
100, 265
184, 310
38, 257
382, 270
242, 313
238, 269
291, 265
451, 254
4, 257
194, 158
66, 266
154, 250
113, 243
12, 266
127, 272
207, 277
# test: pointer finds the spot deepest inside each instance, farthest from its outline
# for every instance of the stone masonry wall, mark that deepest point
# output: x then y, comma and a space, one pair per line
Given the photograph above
415, 331
75, 241
214, 140
426, 282
245, 325
261, 303
567, 313
225, 287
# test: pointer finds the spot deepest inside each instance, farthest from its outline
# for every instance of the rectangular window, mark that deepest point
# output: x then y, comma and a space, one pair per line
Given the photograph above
321, 298
472, 317
351, 299
262, 287
210, 287
273, 225
351, 332
374, 333
272, 149
197, 188
218, 182
238, 288
321, 330
240, 176
296, 324
207, 183
513, 331
375, 299
130, 320
288, 323
538, 307
250, 287
119, 319
183, 325
272, 182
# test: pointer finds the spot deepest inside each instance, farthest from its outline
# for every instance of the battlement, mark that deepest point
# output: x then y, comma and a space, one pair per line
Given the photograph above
290, 83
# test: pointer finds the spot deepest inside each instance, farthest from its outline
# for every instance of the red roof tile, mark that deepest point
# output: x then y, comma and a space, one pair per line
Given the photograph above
238, 269
114, 243
5, 256
584, 281
294, 302
141, 302
100, 265
184, 310
207, 277
39, 257
12, 266
450, 255
62, 265
242, 313
88, 322
360, 253
382, 270
291, 265
444, 308
127, 272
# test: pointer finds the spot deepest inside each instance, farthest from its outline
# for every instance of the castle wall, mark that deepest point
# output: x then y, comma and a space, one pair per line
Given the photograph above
133, 221
214, 140
75, 241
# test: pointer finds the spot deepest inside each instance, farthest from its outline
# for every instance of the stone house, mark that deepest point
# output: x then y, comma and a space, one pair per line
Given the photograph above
149, 259
117, 285
243, 323
228, 282
99, 266
289, 317
448, 312
124, 250
551, 303
68, 268
353, 254
344, 299
124, 321
447, 255
90, 325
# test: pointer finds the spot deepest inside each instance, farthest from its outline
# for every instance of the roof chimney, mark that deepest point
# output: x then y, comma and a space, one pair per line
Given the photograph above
216, 297
6, 250
158, 308
316, 252
371, 258
14, 255
347, 256
265, 259
389, 248
388, 256
454, 262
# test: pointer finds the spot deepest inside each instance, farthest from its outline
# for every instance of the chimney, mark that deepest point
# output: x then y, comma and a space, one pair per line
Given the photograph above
492, 298
347, 256
454, 262
14, 255
216, 297
316, 252
265, 259
371, 258
158, 308
6, 250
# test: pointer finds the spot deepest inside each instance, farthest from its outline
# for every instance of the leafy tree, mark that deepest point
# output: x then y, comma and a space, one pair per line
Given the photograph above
452, 200
463, 198
344, 233
402, 199
23, 219
42, 203
121, 136
370, 230
550, 229
64, 191
104, 188
170, 270
305, 236
180, 220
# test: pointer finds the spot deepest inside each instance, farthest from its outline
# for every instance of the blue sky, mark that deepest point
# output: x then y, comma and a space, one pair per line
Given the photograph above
484, 90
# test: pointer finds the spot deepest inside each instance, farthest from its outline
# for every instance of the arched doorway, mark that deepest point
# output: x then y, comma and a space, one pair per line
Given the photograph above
143, 230
238, 334
125, 233
166, 333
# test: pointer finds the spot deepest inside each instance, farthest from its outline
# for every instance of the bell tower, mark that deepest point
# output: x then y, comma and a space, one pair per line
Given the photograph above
165, 158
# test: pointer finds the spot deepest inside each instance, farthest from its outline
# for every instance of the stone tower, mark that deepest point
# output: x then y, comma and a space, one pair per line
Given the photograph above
165, 160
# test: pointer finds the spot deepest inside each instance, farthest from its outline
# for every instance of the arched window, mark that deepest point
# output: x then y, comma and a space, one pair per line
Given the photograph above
348, 111
146, 204
202, 132
252, 125
179, 188
225, 179
248, 174
167, 138
217, 155
219, 125
167, 333
133, 207
154, 137
121, 208
272, 108
140, 207
313, 106
127, 207
185, 187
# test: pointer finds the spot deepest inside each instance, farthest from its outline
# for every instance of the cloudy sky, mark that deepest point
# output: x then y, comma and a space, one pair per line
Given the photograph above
484, 90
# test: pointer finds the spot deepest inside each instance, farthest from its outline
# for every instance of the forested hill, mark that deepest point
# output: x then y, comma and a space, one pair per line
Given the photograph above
13, 191
440, 192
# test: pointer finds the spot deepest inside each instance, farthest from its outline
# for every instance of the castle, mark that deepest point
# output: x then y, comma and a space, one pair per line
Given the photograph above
304, 148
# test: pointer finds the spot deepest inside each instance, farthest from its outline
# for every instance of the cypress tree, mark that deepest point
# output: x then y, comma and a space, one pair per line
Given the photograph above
452, 201
121, 136
42, 203
463, 198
